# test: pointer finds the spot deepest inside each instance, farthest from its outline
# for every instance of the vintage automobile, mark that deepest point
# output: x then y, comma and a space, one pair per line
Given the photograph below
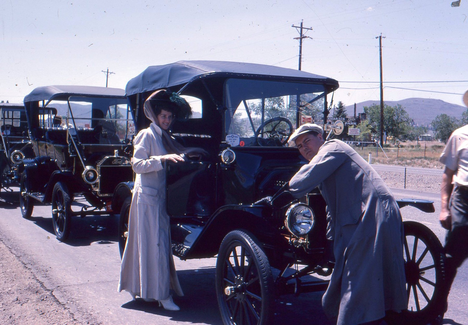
15, 145
243, 116
81, 137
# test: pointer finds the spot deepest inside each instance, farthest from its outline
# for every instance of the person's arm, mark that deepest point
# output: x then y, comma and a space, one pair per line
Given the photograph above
142, 162
445, 192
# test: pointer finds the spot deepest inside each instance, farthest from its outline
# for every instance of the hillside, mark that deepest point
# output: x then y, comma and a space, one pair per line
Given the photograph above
421, 110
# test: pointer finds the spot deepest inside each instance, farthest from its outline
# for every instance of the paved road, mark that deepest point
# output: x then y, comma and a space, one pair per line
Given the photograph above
83, 273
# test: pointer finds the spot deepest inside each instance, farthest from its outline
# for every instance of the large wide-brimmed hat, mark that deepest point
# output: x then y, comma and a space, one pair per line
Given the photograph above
169, 100
303, 129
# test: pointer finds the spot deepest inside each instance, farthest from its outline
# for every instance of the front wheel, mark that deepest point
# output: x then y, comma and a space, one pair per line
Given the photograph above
244, 282
61, 211
424, 267
26, 202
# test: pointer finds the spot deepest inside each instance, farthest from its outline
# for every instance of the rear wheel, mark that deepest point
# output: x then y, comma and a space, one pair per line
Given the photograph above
61, 211
424, 267
26, 202
244, 283
123, 224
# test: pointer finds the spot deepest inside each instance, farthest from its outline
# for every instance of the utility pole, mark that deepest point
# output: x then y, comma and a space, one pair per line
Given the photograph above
107, 72
381, 93
300, 29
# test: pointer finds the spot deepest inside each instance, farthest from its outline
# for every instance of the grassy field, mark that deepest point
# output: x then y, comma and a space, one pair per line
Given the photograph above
411, 153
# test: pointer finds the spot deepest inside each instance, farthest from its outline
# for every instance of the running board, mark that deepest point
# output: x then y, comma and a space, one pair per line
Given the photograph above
36, 195
297, 287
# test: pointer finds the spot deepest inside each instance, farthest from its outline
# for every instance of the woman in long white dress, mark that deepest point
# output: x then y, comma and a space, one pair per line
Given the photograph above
147, 269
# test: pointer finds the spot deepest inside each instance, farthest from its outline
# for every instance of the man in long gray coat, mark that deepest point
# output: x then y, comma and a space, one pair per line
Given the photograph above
365, 224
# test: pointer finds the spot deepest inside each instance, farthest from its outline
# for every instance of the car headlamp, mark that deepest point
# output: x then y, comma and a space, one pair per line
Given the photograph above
90, 175
299, 219
17, 157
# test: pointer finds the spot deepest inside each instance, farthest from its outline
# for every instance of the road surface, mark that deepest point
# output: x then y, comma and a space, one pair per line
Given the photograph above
83, 273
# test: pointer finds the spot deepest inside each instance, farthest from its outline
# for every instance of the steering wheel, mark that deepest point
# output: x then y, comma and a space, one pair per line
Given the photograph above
274, 132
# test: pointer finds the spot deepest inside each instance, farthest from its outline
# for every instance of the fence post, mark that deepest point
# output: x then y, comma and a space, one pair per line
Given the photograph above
404, 185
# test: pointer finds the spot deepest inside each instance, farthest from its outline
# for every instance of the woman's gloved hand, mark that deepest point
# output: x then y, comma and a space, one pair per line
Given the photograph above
171, 157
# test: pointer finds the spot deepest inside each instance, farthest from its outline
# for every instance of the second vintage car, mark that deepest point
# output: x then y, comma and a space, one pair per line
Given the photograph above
81, 137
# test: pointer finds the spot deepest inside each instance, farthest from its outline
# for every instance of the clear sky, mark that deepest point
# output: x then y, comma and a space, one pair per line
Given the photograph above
425, 44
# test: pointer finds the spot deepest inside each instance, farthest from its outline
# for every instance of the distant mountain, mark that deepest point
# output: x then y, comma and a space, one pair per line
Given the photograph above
421, 110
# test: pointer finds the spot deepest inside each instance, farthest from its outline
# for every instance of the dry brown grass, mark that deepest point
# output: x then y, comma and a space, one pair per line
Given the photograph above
411, 153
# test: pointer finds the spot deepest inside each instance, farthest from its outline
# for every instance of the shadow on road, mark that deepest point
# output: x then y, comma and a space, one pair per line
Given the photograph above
86, 230
450, 322
200, 306
9, 200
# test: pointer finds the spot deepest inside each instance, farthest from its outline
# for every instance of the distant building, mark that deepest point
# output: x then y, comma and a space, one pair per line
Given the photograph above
426, 137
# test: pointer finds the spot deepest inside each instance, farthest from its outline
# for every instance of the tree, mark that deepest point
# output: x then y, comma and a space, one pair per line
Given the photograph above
397, 122
464, 119
416, 132
444, 125
339, 112
365, 131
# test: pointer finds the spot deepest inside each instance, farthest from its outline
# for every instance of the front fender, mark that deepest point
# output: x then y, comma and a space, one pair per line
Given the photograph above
122, 191
59, 176
255, 219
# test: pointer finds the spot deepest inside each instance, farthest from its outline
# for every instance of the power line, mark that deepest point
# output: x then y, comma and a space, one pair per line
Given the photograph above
402, 88
407, 82
426, 91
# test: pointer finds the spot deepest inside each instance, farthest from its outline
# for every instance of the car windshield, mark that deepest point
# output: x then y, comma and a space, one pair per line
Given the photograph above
111, 115
13, 121
252, 104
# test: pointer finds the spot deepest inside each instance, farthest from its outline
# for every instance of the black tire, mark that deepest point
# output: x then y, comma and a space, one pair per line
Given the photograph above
123, 224
244, 282
424, 267
61, 211
26, 202
5, 174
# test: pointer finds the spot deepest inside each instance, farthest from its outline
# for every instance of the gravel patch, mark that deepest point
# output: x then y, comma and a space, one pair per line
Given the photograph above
23, 298
426, 183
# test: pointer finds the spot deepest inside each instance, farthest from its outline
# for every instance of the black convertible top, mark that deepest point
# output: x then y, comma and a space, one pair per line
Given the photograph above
63, 92
182, 72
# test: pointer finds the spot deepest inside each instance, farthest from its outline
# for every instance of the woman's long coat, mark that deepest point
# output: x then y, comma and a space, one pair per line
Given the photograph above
365, 223
147, 268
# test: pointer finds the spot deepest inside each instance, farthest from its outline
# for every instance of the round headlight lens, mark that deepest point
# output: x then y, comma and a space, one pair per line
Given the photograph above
17, 157
299, 219
90, 175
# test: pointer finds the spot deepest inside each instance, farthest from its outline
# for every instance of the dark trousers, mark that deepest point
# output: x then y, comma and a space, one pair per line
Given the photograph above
456, 241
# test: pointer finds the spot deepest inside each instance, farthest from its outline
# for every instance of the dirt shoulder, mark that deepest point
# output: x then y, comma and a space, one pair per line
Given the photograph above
23, 298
